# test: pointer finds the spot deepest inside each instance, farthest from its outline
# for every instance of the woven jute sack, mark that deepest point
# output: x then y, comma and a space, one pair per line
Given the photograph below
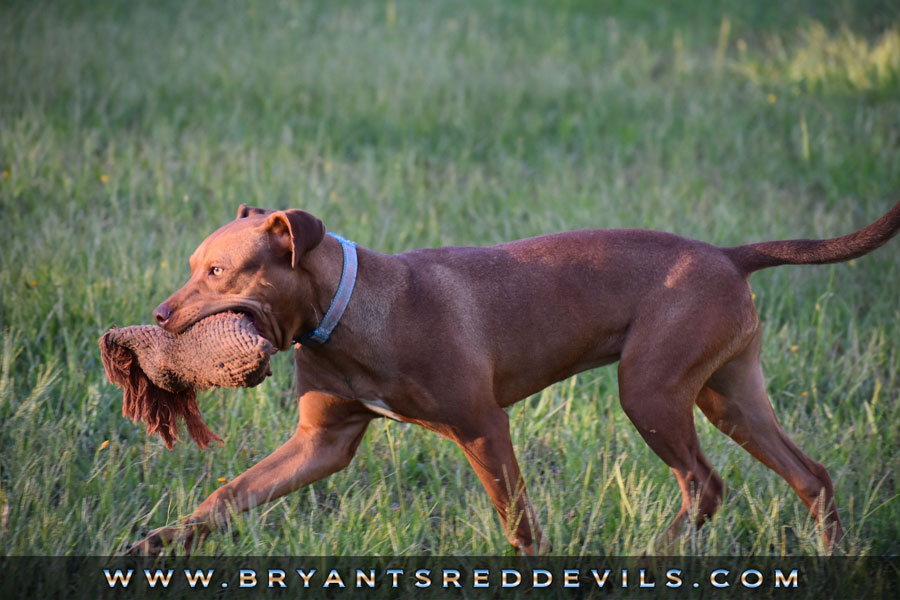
161, 372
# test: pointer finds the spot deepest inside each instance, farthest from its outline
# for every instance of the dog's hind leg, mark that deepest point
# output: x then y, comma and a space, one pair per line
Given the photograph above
736, 402
657, 388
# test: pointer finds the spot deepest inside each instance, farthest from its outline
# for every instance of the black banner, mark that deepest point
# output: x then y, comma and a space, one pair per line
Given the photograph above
449, 576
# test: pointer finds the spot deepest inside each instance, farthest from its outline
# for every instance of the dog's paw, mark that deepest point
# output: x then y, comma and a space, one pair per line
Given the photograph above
541, 547
151, 544
163, 541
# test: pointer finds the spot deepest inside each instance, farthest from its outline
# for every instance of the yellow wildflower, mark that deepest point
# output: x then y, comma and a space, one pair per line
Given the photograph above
391, 12
222, 479
104, 444
794, 348
772, 98
104, 178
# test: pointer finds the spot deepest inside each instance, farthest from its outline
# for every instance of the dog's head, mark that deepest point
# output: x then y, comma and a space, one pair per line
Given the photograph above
252, 265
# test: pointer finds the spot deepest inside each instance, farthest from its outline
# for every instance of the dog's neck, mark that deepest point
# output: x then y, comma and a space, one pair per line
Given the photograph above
382, 284
339, 301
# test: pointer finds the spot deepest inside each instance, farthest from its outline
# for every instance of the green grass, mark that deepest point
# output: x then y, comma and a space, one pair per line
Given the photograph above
130, 131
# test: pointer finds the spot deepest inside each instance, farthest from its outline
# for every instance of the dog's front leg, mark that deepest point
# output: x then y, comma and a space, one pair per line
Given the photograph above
326, 439
488, 447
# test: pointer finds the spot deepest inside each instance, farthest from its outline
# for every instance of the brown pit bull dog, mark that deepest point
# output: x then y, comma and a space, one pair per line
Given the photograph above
449, 337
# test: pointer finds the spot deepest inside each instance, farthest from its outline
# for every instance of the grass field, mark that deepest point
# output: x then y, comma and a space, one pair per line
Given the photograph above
128, 131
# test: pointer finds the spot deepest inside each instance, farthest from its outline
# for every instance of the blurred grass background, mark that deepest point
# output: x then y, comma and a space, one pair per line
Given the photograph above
129, 131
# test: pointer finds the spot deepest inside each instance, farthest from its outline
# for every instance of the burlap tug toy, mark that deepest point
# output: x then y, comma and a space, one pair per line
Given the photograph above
160, 372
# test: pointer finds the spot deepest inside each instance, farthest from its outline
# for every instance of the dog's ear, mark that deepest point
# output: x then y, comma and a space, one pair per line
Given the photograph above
246, 211
295, 231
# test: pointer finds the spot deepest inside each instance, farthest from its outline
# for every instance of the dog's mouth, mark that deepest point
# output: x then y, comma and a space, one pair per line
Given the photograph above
256, 318
257, 324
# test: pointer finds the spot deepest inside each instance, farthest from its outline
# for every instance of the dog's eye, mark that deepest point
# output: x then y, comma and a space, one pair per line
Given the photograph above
216, 271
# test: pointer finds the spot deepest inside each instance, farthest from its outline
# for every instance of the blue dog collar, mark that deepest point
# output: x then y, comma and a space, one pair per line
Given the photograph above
341, 299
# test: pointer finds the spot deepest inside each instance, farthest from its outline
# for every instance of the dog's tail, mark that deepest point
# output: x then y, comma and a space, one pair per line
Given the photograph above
761, 255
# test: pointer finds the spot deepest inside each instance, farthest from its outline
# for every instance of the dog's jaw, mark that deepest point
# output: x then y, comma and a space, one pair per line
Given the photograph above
259, 313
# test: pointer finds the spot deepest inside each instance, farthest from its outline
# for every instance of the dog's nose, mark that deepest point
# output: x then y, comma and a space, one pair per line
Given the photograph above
162, 314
